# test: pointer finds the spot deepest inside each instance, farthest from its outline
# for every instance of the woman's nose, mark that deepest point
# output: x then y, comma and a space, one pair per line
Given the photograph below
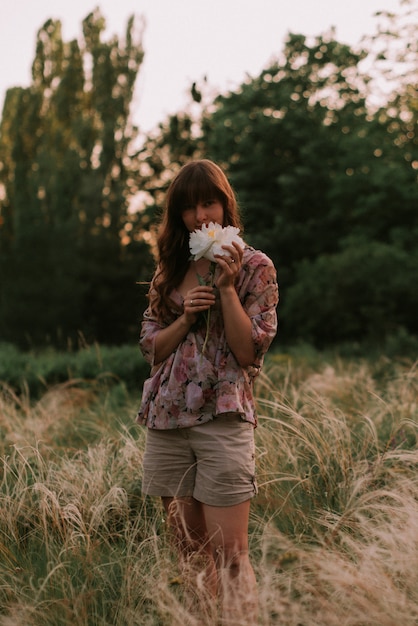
200, 213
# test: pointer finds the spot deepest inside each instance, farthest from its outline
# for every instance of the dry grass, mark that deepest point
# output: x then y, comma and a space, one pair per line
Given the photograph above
334, 529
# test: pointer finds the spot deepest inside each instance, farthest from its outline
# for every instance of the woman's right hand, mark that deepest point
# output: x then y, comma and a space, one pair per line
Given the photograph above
198, 299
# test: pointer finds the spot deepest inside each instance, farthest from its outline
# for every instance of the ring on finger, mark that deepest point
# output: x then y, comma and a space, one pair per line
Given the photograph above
191, 302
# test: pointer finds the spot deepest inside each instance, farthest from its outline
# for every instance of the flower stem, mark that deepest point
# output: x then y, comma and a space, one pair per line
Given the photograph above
207, 332
202, 281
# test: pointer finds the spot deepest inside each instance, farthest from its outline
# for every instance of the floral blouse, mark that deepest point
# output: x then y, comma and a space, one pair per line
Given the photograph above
189, 388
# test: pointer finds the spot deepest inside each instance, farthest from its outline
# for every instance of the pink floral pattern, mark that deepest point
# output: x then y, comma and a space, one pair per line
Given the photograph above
189, 387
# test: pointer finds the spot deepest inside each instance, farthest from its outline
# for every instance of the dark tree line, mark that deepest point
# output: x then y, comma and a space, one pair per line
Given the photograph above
327, 185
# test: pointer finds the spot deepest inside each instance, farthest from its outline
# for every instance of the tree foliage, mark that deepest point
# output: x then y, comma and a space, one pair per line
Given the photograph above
70, 248
326, 175
327, 186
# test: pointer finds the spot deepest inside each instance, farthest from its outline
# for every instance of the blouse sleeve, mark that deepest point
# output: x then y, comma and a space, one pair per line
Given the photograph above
260, 299
149, 330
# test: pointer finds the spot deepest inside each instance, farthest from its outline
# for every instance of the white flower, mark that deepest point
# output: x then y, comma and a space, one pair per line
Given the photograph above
209, 240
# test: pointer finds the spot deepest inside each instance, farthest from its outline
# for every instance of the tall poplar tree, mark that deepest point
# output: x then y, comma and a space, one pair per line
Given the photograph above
70, 253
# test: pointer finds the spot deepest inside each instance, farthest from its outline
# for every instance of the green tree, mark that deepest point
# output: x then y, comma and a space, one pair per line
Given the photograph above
364, 292
324, 182
70, 246
327, 188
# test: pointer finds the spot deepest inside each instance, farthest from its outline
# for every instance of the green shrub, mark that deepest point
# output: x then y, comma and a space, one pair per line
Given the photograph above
37, 371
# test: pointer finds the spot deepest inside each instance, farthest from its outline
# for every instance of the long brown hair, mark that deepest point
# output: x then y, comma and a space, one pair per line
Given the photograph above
196, 182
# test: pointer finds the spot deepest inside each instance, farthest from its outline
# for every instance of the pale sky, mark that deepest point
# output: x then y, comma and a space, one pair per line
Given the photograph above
184, 40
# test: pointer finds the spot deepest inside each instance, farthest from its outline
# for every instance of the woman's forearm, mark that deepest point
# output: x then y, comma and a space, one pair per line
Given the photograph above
170, 337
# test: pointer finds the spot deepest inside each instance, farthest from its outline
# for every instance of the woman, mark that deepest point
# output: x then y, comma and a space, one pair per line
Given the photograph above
198, 404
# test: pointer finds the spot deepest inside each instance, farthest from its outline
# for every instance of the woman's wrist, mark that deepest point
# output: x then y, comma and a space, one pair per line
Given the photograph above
185, 321
227, 290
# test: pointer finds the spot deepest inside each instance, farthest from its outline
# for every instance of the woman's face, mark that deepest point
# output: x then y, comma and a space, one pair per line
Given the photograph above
203, 213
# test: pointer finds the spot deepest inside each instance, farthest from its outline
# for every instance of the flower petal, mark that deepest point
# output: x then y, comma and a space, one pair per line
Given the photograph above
208, 241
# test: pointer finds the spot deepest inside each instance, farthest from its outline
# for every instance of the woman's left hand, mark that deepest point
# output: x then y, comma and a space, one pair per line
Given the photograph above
229, 265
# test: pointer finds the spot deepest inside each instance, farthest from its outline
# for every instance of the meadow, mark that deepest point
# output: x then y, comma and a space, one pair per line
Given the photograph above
334, 527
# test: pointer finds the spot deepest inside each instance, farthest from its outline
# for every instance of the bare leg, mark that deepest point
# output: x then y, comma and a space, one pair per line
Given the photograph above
227, 528
185, 516
215, 539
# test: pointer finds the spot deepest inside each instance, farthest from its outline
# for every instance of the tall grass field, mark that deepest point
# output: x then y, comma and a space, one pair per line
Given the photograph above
333, 529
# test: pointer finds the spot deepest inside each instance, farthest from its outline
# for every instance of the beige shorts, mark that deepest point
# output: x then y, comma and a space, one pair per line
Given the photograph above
213, 462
